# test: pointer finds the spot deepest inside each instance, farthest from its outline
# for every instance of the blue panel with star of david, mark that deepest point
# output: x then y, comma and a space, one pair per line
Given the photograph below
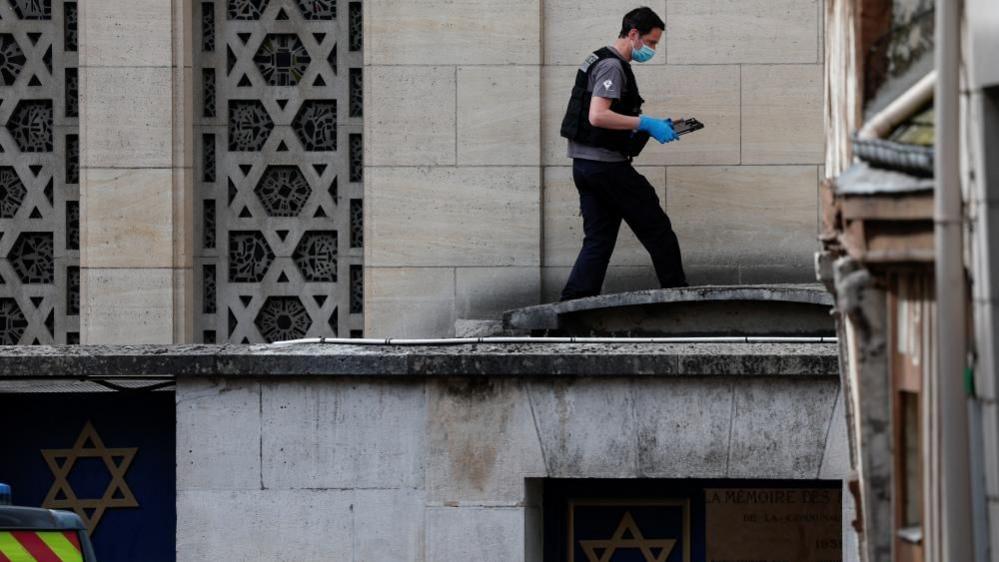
128, 450
630, 531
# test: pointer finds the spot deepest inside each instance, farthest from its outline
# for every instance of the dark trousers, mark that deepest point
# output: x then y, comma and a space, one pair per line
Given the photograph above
609, 192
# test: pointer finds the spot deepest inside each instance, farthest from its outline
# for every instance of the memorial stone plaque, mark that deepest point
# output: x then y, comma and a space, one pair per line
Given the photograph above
773, 524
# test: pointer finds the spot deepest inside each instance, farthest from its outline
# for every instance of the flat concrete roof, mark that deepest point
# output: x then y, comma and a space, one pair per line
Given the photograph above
484, 359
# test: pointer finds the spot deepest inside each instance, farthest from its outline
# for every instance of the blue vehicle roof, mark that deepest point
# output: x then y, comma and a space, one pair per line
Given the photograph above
14, 517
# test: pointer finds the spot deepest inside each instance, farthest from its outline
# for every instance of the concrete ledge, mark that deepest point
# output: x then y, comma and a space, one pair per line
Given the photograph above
540, 359
707, 310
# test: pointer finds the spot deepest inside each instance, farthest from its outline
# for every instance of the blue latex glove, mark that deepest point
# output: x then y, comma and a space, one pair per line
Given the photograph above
659, 129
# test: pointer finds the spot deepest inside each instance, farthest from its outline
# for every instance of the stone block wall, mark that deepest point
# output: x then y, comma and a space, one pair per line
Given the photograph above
438, 468
472, 208
136, 168
452, 162
135, 172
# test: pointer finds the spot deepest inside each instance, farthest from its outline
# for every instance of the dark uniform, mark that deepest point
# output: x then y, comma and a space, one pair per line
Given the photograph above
610, 189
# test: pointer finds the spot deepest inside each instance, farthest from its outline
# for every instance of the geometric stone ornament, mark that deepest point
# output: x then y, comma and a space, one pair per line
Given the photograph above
70, 26
249, 125
12, 192
354, 24
72, 225
208, 26
116, 460
356, 92
12, 322
31, 125
356, 289
355, 165
283, 191
282, 59
32, 257
317, 9
209, 299
315, 125
246, 9
356, 223
315, 256
39, 163
32, 9
249, 257
208, 87
280, 200
72, 159
283, 318
72, 93
73, 290
12, 59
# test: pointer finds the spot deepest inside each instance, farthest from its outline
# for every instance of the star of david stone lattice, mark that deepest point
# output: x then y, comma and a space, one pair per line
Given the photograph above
117, 461
280, 169
39, 163
627, 536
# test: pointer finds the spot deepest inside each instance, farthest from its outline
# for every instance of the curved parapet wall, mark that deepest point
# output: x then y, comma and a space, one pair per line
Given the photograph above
741, 310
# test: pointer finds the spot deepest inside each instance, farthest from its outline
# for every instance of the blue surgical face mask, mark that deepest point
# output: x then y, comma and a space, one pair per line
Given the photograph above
642, 54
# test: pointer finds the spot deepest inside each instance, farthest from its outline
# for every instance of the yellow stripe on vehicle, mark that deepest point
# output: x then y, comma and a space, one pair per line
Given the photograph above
13, 549
60, 545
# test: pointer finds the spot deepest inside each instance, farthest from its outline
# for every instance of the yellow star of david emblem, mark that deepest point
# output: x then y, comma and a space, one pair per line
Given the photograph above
627, 535
117, 461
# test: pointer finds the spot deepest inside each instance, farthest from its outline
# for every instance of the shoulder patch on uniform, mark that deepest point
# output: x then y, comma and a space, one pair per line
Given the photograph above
585, 67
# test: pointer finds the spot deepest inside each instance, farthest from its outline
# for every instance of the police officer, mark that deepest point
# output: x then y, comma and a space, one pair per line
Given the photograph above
606, 130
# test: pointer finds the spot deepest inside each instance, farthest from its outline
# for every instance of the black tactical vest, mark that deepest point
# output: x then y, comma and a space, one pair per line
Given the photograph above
576, 124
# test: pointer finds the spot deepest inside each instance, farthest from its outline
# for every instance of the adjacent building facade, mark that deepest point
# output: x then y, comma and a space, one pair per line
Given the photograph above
909, 251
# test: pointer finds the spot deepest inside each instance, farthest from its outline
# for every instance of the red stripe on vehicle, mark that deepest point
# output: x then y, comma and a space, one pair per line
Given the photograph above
35, 546
74, 538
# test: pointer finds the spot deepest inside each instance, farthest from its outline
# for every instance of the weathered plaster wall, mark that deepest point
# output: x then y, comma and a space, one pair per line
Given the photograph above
434, 468
471, 207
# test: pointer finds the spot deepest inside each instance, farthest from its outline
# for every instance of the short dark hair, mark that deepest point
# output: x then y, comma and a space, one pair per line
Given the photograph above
643, 19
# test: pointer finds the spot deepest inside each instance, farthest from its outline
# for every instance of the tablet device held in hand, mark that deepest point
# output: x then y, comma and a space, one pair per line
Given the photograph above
684, 126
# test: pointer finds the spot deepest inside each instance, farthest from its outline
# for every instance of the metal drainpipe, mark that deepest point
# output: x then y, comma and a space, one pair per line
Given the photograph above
952, 492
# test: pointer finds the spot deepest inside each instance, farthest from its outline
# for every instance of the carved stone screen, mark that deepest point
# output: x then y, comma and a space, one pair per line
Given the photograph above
39, 173
280, 233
